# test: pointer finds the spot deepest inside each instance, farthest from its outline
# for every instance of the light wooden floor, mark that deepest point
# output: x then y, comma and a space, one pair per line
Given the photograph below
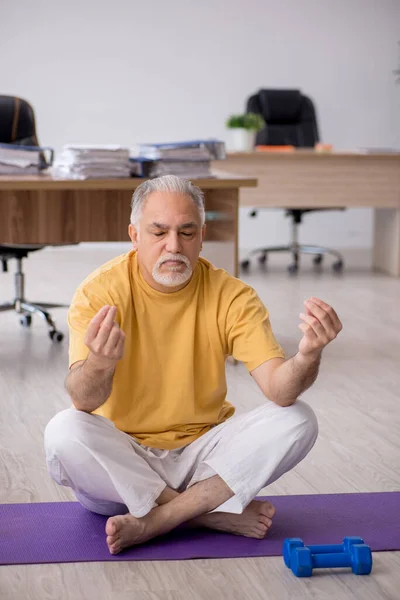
356, 399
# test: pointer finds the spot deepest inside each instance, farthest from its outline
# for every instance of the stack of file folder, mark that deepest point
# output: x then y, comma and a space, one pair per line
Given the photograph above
23, 160
190, 159
92, 162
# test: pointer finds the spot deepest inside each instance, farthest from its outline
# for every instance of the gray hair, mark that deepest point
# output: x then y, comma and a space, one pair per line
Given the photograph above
167, 183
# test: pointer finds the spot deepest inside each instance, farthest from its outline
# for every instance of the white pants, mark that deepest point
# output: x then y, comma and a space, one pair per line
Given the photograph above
111, 473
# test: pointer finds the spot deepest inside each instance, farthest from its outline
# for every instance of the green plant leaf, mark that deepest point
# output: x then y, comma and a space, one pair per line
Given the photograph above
250, 121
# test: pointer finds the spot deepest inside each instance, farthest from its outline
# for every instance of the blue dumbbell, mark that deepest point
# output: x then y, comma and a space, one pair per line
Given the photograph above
290, 543
359, 558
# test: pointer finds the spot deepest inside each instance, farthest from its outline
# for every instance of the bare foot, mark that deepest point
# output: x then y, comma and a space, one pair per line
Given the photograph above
124, 531
254, 522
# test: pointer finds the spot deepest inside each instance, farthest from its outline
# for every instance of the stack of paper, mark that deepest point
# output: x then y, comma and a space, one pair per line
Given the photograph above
190, 150
92, 162
190, 159
190, 169
20, 160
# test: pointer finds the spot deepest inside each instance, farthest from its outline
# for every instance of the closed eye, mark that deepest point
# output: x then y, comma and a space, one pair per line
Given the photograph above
186, 234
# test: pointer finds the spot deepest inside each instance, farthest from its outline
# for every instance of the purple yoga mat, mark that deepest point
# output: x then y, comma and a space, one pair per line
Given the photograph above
59, 532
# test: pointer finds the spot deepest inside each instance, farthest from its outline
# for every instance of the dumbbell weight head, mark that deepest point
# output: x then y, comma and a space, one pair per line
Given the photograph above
288, 546
350, 541
361, 559
301, 562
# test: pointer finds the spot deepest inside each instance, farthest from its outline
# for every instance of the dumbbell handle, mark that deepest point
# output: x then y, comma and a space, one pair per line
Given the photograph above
326, 548
335, 559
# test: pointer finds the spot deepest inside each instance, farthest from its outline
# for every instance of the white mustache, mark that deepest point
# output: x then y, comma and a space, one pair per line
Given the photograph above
177, 257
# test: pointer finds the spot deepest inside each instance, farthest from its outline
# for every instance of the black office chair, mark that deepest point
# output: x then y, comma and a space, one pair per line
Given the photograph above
17, 126
290, 121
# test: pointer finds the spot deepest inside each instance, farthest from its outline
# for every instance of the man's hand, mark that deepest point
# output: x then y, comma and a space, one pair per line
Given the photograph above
105, 339
321, 326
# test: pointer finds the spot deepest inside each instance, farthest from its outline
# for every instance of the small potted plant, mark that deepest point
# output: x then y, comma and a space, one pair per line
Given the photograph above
244, 129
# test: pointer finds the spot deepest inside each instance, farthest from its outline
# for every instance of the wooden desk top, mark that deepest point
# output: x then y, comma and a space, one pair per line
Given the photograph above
307, 179
46, 182
307, 154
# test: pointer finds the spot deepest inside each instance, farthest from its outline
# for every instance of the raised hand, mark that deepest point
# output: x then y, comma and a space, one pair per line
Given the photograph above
321, 325
104, 337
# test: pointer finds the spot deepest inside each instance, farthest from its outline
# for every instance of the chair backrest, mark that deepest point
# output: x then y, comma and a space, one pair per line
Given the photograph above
17, 122
290, 118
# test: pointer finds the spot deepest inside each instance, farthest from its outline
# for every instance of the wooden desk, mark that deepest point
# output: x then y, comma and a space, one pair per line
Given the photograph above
43, 210
306, 179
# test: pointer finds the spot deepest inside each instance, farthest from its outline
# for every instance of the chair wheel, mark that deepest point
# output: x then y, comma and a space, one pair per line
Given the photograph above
318, 259
338, 266
245, 264
26, 320
262, 259
56, 336
293, 268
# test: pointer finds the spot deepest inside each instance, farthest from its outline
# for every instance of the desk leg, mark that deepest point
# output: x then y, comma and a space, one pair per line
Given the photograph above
386, 251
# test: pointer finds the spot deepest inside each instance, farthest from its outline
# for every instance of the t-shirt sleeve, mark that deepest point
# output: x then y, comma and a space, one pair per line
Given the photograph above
249, 333
85, 305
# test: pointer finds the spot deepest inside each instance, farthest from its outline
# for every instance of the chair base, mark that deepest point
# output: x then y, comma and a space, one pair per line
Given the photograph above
27, 309
20, 305
296, 250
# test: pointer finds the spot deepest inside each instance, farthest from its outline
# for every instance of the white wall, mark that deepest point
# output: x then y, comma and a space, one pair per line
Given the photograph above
127, 71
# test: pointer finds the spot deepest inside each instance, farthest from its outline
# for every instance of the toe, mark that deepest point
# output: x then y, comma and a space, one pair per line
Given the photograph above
263, 529
265, 521
115, 549
112, 539
261, 532
268, 509
111, 526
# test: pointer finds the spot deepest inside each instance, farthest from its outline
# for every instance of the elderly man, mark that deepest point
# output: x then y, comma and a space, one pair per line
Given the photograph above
151, 440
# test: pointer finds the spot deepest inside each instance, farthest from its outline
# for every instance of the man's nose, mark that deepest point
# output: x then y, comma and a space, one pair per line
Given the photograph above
173, 243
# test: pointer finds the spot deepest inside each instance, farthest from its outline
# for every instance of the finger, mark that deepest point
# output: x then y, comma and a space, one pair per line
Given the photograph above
106, 327
314, 324
308, 331
328, 318
121, 337
119, 349
113, 339
331, 312
96, 322
322, 316
308, 311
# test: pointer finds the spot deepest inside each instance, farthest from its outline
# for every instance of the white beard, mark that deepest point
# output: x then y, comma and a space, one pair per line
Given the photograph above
174, 277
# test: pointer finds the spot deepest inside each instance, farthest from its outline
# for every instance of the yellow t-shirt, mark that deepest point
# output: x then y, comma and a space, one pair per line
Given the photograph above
170, 386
